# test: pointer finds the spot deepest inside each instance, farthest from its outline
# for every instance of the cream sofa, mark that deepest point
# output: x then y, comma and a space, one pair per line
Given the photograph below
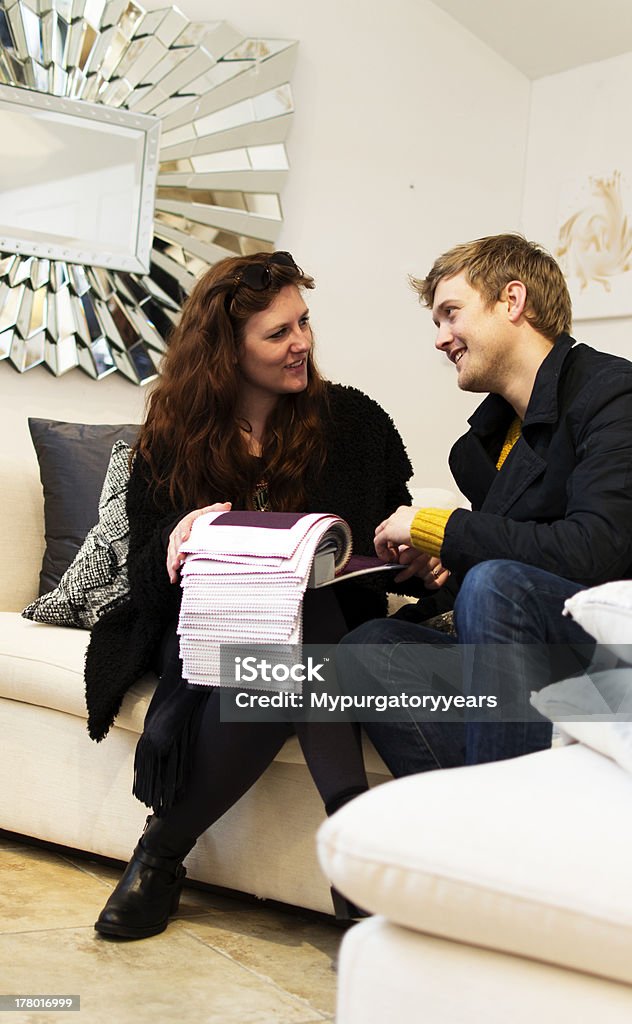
57, 784
502, 892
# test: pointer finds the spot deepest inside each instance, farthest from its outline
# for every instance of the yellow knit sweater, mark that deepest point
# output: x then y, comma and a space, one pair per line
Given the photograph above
428, 527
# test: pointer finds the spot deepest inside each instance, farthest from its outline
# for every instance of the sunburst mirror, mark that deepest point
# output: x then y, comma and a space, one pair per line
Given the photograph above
138, 148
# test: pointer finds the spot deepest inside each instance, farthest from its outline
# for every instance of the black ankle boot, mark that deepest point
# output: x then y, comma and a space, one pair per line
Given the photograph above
149, 890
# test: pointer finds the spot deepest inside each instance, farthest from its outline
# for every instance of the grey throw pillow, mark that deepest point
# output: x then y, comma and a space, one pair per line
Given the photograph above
73, 459
96, 581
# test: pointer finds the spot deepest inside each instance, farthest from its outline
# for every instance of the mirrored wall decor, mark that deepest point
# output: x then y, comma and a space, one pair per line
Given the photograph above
137, 148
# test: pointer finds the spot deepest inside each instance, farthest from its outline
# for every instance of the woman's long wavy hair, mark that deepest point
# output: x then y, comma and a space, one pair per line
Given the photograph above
192, 438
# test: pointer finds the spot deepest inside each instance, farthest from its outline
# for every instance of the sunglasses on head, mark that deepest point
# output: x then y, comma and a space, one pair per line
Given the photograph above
258, 276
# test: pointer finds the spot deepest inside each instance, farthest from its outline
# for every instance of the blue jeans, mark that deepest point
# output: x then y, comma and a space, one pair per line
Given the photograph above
512, 639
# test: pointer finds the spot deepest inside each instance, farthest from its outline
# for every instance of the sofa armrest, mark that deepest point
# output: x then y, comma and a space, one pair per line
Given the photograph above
503, 855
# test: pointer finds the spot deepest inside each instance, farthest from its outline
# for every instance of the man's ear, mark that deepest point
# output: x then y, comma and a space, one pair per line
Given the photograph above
515, 295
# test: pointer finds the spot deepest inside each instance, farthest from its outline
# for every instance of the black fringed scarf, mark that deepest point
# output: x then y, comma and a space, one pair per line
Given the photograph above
164, 753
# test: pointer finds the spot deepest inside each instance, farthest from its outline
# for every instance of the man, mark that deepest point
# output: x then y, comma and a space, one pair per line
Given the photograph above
547, 466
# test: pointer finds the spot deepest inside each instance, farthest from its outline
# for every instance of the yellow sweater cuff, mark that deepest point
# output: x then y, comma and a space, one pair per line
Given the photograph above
428, 529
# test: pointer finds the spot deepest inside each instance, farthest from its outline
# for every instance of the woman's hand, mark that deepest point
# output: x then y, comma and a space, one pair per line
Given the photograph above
177, 537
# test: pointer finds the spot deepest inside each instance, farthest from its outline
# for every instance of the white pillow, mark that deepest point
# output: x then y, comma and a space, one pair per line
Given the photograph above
606, 613
595, 710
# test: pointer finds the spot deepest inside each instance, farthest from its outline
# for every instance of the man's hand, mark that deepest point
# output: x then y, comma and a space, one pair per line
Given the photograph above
418, 563
393, 544
394, 531
177, 537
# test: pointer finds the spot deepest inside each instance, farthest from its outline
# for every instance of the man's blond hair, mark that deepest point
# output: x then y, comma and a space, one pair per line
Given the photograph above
490, 263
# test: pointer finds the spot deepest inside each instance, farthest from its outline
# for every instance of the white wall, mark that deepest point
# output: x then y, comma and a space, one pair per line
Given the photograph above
409, 136
578, 127
74, 397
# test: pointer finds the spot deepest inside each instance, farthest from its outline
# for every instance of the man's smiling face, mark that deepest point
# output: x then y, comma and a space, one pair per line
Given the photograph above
473, 335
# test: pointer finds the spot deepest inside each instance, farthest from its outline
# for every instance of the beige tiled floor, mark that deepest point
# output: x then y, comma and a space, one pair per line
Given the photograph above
221, 960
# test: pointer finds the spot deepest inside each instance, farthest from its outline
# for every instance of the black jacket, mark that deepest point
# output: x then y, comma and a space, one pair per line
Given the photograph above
563, 499
364, 480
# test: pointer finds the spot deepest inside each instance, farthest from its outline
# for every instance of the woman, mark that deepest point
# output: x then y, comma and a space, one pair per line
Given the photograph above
241, 417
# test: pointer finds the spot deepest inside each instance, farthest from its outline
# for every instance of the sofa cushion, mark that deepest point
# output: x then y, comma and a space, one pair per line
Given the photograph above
96, 580
605, 612
529, 856
387, 973
73, 459
595, 709
43, 665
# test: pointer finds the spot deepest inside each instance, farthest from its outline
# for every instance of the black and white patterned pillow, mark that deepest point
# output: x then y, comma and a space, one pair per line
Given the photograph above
96, 581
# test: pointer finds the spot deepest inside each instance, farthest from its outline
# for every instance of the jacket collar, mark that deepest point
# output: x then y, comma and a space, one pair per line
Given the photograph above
542, 406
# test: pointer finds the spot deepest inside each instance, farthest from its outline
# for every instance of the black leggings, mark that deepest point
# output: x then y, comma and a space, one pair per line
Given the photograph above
229, 757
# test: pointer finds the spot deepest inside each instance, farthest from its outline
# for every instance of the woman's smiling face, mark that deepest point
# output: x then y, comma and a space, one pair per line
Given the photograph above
276, 343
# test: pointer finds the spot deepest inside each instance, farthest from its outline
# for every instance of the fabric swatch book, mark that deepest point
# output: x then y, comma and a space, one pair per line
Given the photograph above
325, 572
244, 579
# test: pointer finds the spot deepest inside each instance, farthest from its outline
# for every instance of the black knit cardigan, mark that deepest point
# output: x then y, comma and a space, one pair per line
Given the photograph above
364, 480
